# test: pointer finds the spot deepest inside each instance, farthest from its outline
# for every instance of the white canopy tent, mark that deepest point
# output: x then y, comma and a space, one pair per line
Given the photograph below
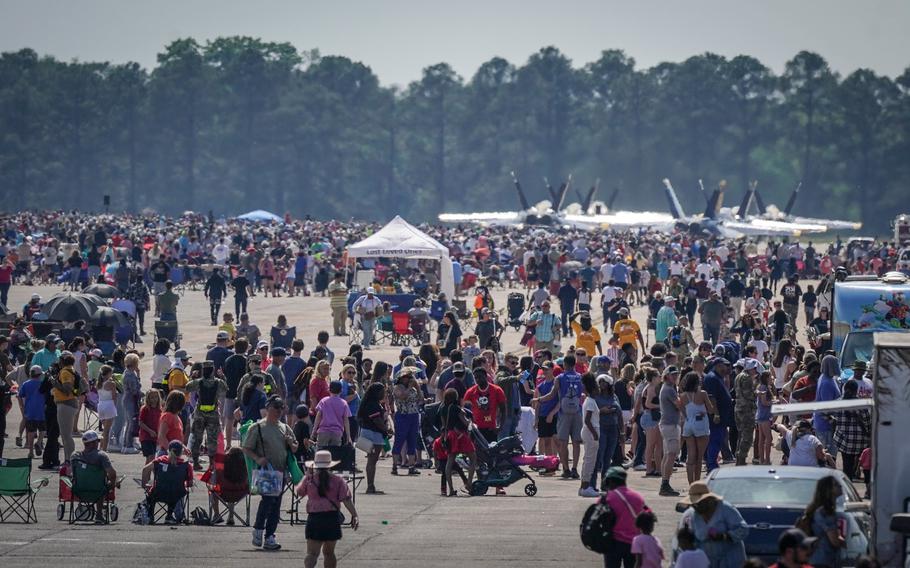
400, 239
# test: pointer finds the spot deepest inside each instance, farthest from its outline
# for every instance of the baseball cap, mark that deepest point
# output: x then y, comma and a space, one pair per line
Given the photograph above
261, 344
36, 296
279, 352
795, 538
35, 371
616, 472
406, 351
371, 290
671, 370
96, 353
458, 368
50, 338
90, 436
750, 364
223, 336
623, 311
181, 354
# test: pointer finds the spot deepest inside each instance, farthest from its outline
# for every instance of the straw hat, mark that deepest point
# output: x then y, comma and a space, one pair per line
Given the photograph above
322, 460
697, 492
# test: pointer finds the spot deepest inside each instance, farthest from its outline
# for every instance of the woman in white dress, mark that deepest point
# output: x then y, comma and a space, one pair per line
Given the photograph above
107, 403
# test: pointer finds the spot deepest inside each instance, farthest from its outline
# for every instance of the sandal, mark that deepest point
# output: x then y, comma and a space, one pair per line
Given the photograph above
413, 471
394, 470
453, 493
374, 491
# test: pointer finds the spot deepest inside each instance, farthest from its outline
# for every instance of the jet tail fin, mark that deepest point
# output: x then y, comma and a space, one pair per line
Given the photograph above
760, 203
789, 208
561, 196
704, 193
553, 195
747, 201
521, 194
715, 201
586, 202
612, 201
676, 209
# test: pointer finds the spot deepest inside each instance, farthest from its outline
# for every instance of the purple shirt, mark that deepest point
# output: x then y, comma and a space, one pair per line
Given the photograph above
335, 412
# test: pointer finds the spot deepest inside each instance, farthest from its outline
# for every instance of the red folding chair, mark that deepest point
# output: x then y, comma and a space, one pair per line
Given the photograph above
401, 329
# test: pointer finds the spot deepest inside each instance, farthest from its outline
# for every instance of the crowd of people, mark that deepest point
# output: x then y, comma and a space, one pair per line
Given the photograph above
724, 317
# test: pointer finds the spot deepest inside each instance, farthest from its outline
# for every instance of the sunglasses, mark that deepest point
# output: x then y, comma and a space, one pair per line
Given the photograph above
350, 373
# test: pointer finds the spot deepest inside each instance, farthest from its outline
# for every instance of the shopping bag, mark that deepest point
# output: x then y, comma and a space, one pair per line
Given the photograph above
267, 482
294, 468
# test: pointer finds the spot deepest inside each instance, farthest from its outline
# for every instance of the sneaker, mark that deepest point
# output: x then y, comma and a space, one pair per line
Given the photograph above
257, 537
575, 473
271, 543
113, 447
667, 491
18, 441
39, 448
566, 474
588, 492
129, 450
639, 467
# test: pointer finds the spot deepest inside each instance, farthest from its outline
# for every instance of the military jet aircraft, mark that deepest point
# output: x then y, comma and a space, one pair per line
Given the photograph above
773, 213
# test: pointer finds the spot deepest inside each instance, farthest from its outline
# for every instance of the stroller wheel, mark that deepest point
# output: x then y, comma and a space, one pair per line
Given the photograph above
115, 513
61, 509
530, 490
479, 488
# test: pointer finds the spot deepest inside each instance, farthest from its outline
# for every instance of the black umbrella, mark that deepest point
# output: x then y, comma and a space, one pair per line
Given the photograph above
109, 317
102, 291
70, 306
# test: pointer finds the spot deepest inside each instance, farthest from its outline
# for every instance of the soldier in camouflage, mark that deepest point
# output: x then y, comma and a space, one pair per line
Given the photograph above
206, 418
746, 406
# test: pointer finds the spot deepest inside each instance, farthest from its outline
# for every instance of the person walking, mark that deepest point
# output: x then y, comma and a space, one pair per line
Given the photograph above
206, 419
826, 390
670, 416
267, 443
626, 504
338, 302
697, 408
368, 307
325, 493
745, 408
215, 290
715, 386
718, 526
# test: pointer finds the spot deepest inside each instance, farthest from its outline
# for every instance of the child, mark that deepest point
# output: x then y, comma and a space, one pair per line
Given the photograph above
690, 557
613, 354
149, 419
302, 432
865, 463
470, 350
95, 362
107, 403
764, 398
33, 410
646, 548
227, 325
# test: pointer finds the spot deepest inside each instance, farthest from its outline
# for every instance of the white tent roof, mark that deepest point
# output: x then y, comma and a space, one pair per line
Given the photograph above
399, 239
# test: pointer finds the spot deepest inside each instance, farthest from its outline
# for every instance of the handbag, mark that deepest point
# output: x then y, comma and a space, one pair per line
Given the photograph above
267, 482
526, 337
363, 444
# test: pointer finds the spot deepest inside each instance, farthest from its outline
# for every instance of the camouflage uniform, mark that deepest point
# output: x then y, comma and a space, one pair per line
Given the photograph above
206, 418
271, 387
744, 413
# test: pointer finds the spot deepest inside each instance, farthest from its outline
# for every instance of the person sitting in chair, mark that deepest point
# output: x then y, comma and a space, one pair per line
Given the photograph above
180, 471
92, 455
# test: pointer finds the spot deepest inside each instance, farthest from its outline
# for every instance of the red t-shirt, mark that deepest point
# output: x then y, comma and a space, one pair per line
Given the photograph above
173, 430
484, 404
6, 274
318, 390
151, 417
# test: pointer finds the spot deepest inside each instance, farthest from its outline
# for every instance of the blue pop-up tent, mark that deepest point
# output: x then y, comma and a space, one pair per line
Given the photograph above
261, 216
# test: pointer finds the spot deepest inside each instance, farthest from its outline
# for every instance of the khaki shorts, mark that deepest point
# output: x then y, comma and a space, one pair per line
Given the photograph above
670, 435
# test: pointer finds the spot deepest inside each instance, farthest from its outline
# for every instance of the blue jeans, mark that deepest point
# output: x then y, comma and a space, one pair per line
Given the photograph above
509, 424
715, 442
367, 327
639, 458
827, 440
267, 514
565, 322
609, 437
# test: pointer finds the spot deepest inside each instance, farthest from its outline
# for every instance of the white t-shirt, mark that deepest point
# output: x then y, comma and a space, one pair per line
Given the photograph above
590, 405
692, 559
761, 348
803, 451
606, 272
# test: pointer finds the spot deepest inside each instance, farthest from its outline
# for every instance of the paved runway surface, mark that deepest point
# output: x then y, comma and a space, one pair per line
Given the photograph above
411, 525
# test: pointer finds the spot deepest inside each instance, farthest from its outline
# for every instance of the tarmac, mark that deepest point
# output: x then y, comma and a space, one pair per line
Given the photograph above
410, 526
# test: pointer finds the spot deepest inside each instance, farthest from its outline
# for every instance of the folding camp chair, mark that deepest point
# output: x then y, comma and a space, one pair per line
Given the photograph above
18, 491
384, 330
283, 337
83, 489
345, 469
355, 332
223, 493
401, 329
169, 492
168, 330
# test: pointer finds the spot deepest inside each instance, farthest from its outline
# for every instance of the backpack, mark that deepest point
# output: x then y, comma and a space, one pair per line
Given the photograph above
201, 517
675, 337
596, 527
570, 402
731, 351
141, 516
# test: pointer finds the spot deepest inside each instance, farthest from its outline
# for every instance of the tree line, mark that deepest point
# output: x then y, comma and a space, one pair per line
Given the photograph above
238, 123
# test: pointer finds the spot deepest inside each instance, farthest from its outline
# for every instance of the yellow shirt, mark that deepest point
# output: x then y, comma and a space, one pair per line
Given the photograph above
66, 377
627, 330
230, 328
177, 379
586, 340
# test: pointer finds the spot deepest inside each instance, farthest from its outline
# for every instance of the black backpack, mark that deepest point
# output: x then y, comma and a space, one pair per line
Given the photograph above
675, 337
597, 527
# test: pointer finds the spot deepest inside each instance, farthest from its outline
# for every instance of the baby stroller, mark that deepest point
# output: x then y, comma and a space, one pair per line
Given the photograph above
496, 464
516, 307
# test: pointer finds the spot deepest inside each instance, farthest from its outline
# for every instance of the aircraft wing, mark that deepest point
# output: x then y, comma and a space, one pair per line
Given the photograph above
624, 220
485, 218
831, 224
767, 227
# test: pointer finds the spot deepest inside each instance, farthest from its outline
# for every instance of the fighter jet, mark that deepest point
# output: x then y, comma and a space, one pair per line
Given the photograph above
772, 212
719, 221
588, 214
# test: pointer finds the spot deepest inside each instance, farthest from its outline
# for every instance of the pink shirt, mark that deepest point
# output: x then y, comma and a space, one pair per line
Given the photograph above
335, 411
336, 492
652, 553
624, 530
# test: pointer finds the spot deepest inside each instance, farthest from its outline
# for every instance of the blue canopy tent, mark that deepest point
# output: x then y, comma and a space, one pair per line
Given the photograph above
261, 216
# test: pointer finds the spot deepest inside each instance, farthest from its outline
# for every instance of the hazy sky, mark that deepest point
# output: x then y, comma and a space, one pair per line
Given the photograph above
398, 38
